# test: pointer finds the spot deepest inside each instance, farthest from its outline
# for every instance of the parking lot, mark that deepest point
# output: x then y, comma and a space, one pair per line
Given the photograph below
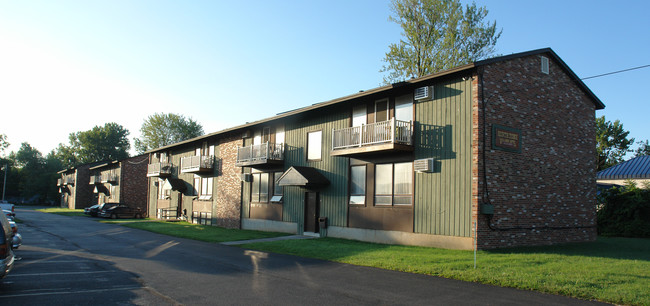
54, 271
79, 261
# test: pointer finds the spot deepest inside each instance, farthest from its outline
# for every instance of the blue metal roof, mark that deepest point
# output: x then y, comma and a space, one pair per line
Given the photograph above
635, 168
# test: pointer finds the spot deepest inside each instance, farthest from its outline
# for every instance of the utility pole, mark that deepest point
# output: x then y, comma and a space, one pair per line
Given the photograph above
4, 185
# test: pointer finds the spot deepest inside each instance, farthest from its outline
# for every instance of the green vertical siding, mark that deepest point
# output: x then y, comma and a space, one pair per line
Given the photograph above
333, 202
443, 130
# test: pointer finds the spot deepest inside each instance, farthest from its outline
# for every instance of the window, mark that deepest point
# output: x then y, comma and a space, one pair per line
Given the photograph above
277, 189
394, 184
203, 187
314, 145
404, 108
202, 217
358, 185
544, 64
260, 187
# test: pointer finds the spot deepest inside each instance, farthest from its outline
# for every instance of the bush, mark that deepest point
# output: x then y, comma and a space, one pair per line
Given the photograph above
624, 212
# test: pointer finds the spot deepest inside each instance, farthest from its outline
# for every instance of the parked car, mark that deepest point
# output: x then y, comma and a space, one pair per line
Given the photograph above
94, 210
7, 206
6, 250
17, 239
88, 210
121, 211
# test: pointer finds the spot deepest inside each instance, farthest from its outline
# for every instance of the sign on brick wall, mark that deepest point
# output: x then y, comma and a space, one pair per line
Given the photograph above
506, 138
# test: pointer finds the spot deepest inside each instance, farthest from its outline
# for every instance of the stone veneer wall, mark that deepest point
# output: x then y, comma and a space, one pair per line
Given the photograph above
228, 204
545, 194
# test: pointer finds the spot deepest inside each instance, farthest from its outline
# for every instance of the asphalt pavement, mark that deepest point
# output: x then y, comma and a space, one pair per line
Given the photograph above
76, 260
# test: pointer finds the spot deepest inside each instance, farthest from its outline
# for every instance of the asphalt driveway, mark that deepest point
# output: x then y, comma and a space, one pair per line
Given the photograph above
76, 260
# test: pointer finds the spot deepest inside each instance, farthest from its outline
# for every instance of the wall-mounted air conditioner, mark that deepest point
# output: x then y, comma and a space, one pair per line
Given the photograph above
423, 165
423, 93
246, 177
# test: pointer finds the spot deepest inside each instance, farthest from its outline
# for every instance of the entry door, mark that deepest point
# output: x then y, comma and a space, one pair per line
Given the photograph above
311, 212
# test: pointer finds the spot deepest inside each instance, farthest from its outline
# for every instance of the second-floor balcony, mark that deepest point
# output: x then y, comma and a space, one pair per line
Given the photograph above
385, 136
68, 180
95, 179
196, 164
159, 169
267, 153
109, 178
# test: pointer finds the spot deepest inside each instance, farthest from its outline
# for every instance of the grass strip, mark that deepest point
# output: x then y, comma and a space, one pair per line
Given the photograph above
63, 211
200, 232
614, 270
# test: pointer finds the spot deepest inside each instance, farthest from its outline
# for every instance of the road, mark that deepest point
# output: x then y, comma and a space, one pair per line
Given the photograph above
76, 260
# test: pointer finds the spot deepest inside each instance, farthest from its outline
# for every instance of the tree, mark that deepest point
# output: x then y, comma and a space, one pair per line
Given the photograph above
437, 35
611, 143
159, 130
3, 144
643, 149
108, 142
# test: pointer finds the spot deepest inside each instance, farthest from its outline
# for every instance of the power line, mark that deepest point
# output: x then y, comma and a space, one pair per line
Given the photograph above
604, 74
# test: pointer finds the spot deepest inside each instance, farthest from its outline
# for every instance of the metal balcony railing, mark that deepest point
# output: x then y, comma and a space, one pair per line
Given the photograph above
391, 131
259, 154
159, 169
197, 163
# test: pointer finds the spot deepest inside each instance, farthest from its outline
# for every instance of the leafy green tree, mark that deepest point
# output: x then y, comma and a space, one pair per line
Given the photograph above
612, 143
437, 35
108, 142
643, 149
3, 144
161, 129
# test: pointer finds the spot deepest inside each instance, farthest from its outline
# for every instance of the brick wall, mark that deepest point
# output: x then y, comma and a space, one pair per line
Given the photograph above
546, 193
228, 204
83, 195
133, 182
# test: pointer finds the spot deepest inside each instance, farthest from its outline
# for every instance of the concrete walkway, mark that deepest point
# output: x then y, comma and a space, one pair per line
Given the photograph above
292, 237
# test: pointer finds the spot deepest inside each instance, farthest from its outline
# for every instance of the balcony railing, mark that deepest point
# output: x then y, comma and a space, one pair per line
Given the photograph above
59, 182
199, 163
68, 180
159, 169
260, 154
95, 179
109, 178
385, 132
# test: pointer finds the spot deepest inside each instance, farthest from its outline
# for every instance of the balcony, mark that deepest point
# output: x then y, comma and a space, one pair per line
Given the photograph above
109, 178
68, 180
197, 164
159, 170
386, 136
95, 179
260, 155
59, 182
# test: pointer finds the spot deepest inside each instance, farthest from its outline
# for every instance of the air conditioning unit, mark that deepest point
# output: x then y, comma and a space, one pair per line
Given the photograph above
423, 165
423, 93
246, 177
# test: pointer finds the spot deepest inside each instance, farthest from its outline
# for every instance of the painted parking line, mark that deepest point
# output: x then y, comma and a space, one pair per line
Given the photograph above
73, 292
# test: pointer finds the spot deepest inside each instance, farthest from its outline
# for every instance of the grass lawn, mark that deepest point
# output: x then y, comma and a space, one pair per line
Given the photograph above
615, 270
63, 211
199, 232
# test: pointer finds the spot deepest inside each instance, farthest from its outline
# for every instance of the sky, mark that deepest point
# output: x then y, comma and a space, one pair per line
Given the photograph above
67, 66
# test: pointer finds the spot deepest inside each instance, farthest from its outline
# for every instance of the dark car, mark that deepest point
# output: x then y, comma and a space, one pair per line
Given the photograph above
94, 210
6, 250
121, 211
87, 210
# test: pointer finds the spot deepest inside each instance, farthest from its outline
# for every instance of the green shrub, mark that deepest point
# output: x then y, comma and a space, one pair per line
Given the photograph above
624, 212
